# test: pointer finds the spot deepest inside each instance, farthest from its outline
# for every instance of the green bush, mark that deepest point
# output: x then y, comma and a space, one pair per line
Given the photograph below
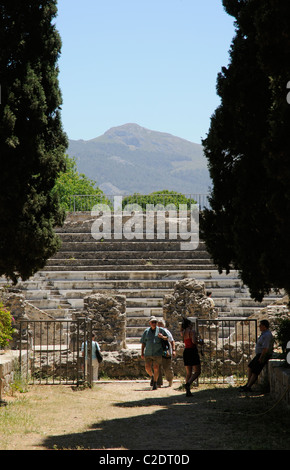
6, 326
159, 199
77, 192
283, 333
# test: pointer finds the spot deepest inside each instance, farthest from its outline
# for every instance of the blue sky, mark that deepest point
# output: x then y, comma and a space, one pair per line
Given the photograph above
149, 62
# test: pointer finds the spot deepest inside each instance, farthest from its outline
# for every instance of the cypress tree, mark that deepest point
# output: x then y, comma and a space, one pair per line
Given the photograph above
247, 227
32, 141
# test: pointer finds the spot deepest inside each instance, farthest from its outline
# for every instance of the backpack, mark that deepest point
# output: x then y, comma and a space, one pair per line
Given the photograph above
166, 347
98, 354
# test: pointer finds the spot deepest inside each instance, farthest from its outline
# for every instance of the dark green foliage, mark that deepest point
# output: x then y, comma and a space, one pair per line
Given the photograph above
247, 148
159, 199
32, 142
77, 192
282, 335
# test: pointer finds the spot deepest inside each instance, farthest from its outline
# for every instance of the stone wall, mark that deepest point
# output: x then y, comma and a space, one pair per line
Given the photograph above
278, 309
108, 315
279, 379
21, 309
124, 364
188, 299
9, 364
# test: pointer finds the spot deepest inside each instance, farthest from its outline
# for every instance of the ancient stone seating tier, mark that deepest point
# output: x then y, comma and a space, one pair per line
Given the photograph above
142, 270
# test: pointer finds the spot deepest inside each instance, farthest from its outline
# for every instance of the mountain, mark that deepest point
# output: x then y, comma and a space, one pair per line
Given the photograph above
130, 158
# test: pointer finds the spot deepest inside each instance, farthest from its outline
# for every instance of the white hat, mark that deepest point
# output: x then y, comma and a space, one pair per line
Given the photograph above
153, 319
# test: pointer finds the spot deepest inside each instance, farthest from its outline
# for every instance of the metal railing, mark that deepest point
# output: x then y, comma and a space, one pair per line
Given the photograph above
229, 344
86, 202
50, 351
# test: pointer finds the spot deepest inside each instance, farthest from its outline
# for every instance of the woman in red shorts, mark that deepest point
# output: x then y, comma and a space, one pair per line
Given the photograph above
191, 357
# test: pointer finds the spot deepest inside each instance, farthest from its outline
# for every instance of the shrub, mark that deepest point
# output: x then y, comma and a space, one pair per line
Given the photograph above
159, 199
283, 333
6, 326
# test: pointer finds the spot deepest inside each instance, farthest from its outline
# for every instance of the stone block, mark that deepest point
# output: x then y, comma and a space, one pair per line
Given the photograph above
108, 314
187, 300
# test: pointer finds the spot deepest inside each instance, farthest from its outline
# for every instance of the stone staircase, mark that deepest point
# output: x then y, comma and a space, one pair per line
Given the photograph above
143, 270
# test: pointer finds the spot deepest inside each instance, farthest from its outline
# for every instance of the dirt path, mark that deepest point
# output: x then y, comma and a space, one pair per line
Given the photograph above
130, 416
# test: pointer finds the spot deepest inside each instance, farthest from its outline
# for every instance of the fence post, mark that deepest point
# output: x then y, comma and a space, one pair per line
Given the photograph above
89, 352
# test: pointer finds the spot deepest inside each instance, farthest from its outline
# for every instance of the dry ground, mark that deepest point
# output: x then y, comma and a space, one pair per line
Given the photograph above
129, 415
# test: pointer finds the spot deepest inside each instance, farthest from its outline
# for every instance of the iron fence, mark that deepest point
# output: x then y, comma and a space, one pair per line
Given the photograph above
86, 202
51, 351
229, 344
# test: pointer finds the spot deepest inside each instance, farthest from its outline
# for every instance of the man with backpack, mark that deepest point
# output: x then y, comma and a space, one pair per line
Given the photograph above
167, 355
152, 349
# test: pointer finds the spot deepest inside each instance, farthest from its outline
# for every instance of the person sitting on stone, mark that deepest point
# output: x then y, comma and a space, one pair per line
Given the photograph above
264, 350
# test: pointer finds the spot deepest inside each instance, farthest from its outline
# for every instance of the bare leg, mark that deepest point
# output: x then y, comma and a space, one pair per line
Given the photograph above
148, 368
187, 378
252, 379
197, 371
156, 372
190, 377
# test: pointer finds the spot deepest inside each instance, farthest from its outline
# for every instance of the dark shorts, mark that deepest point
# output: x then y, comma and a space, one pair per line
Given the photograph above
191, 357
256, 366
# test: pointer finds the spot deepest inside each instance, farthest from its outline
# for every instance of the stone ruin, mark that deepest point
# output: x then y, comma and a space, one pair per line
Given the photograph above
107, 311
188, 299
108, 316
22, 310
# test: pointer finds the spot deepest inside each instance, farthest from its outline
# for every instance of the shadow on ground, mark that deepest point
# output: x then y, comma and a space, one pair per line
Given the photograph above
214, 419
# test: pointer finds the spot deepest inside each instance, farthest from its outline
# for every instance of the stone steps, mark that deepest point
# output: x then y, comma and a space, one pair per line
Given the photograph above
121, 255
148, 237
228, 286
65, 292
108, 246
145, 270
54, 276
121, 268
78, 284
127, 264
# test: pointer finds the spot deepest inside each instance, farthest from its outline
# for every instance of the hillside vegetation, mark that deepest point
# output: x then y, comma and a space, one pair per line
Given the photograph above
131, 159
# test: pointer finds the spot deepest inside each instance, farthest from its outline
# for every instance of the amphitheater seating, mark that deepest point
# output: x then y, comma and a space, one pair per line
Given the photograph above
143, 269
